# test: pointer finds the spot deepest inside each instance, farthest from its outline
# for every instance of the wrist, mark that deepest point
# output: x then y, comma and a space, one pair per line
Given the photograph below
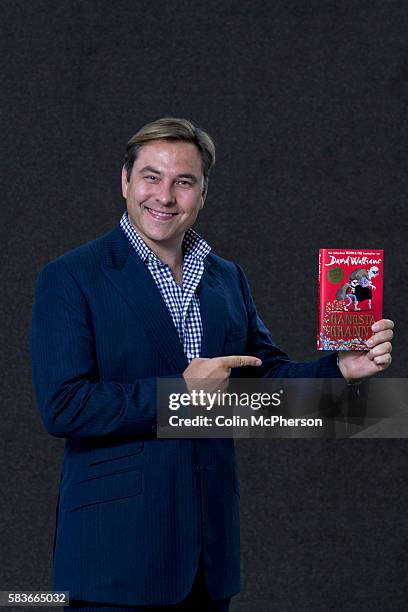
350, 381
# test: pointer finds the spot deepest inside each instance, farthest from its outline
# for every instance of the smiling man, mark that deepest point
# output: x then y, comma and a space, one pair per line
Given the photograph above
142, 523
165, 190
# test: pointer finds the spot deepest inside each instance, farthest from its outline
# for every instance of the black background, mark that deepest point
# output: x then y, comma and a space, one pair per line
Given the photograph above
307, 103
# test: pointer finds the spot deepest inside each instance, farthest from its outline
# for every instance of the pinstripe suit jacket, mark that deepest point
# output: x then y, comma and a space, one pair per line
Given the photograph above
134, 512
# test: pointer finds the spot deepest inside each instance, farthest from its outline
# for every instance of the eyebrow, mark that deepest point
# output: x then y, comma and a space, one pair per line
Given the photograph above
192, 177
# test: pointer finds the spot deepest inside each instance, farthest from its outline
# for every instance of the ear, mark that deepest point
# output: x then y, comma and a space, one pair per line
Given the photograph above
204, 192
125, 183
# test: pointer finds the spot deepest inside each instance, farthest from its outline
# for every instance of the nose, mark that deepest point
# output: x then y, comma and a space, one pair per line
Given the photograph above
165, 194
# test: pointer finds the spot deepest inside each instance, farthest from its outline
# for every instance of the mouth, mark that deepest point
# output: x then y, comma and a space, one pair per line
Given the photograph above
160, 215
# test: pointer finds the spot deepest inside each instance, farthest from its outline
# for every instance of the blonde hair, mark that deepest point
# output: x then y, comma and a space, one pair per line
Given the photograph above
171, 128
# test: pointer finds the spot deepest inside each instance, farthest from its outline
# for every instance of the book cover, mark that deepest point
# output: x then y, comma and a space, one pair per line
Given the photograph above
350, 297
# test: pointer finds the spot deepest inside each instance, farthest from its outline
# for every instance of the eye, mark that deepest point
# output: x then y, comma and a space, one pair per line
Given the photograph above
151, 178
184, 183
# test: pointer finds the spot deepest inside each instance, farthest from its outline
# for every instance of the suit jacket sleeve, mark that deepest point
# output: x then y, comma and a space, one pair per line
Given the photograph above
276, 363
72, 400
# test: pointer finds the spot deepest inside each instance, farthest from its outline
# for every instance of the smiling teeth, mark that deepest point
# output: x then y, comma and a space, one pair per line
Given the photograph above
161, 214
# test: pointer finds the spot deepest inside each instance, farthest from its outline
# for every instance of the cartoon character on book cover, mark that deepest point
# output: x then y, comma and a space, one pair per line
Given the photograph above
359, 287
350, 297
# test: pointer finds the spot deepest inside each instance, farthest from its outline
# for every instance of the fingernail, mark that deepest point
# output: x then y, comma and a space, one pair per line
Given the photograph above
369, 342
258, 362
376, 327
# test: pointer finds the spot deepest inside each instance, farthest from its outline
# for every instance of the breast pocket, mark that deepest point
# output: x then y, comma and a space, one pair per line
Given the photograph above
103, 488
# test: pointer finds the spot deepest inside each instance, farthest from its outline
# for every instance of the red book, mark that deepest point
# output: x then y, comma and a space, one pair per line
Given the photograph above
350, 297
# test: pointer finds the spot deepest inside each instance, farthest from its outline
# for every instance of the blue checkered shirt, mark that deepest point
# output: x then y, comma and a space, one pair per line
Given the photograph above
182, 302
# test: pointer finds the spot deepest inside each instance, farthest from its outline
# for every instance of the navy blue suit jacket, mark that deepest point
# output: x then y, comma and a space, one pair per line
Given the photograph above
134, 512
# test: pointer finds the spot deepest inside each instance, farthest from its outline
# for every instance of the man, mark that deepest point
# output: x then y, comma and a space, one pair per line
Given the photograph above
147, 524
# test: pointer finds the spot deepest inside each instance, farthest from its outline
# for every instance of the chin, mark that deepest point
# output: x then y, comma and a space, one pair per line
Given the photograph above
158, 236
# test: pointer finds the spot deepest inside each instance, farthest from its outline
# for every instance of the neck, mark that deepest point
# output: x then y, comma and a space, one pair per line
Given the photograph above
173, 257
170, 253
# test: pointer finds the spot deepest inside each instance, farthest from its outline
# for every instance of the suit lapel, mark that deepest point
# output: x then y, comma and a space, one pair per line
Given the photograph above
130, 276
213, 311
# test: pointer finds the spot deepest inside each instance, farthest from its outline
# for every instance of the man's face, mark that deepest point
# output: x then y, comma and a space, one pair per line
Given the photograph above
165, 191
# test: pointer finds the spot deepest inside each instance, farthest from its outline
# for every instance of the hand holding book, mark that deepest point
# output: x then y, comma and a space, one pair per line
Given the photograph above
362, 364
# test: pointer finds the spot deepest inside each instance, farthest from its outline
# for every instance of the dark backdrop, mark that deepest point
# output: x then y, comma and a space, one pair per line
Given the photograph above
307, 102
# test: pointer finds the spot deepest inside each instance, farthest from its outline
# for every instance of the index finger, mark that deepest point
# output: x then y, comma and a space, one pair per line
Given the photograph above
239, 361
